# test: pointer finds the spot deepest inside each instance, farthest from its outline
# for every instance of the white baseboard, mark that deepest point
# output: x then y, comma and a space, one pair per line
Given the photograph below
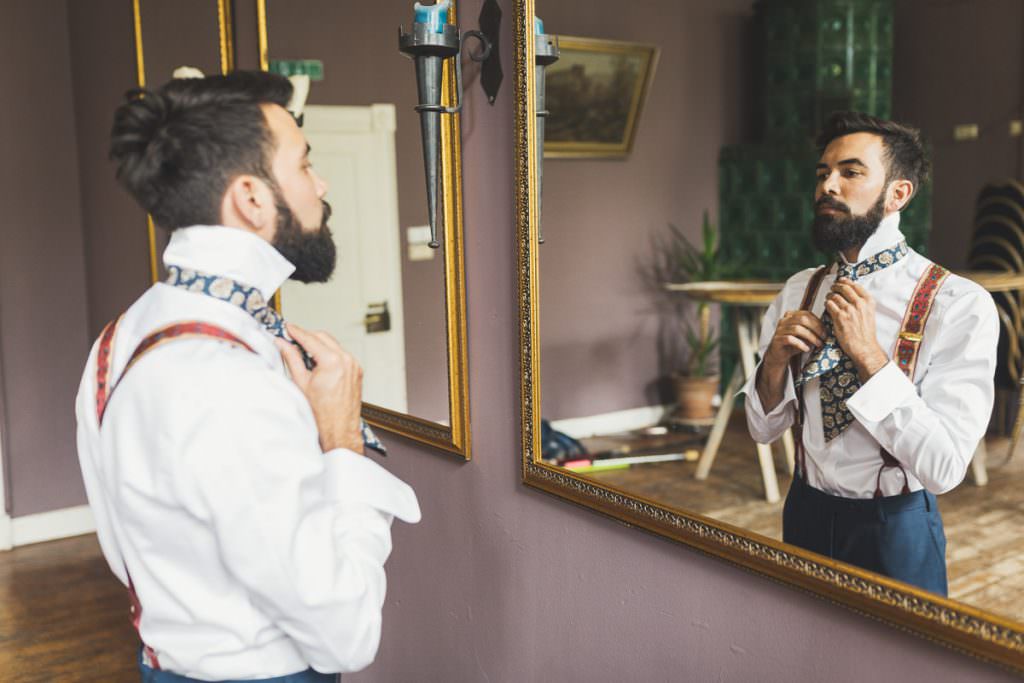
6, 535
49, 526
610, 423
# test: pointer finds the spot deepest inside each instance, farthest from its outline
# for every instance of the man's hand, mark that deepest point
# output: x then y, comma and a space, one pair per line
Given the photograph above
334, 388
853, 319
797, 332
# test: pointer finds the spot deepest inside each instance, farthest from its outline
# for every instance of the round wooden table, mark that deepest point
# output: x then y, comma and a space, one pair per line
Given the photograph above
749, 299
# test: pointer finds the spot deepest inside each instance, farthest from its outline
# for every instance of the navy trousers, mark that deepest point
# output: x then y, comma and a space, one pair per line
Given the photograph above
308, 676
897, 536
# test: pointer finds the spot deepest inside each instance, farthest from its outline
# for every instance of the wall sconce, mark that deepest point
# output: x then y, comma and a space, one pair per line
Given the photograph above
546, 51
431, 41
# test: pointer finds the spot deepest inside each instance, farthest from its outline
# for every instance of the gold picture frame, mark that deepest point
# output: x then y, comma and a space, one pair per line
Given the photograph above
950, 623
595, 94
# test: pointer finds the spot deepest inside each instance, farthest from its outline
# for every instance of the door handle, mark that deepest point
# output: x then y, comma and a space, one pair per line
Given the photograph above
378, 318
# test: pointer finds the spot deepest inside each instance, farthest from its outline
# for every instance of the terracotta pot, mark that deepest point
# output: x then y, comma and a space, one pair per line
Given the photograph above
694, 396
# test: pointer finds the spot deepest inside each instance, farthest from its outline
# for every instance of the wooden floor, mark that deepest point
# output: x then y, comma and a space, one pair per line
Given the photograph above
63, 616
985, 543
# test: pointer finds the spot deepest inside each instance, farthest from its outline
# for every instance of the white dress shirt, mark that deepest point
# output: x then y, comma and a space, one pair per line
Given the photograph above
932, 424
253, 553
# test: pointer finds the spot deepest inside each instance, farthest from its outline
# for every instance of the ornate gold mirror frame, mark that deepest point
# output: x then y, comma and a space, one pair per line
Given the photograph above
453, 438
951, 623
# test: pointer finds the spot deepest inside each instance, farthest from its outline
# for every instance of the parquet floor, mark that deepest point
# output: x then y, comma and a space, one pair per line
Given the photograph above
63, 616
984, 525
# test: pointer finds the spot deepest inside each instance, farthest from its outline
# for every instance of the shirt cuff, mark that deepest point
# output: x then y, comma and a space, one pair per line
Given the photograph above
877, 398
753, 400
355, 478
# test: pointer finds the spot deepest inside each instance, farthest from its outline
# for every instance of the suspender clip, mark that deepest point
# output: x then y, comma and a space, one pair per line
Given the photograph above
911, 336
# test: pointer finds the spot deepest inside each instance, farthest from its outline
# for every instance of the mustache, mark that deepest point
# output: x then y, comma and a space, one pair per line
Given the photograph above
327, 212
827, 202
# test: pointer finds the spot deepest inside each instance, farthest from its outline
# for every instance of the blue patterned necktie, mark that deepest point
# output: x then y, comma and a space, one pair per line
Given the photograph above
838, 375
250, 300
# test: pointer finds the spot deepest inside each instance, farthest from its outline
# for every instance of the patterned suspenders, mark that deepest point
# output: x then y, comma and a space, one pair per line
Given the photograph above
795, 365
908, 343
105, 389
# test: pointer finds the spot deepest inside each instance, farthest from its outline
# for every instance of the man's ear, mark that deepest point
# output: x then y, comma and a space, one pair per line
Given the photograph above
900, 191
249, 203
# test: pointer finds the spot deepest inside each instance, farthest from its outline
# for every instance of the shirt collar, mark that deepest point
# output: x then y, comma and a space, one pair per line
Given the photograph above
887, 236
229, 252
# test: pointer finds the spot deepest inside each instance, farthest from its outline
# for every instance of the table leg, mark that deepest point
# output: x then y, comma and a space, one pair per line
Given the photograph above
744, 330
790, 448
771, 482
707, 458
978, 462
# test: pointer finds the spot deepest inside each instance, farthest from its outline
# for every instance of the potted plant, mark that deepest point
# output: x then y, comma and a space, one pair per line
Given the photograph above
696, 382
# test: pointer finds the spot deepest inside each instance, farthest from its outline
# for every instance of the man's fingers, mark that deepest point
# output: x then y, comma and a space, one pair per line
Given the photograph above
859, 289
796, 343
329, 341
837, 299
811, 336
292, 360
304, 337
812, 323
834, 305
804, 333
320, 345
318, 342
850, 290
852, 283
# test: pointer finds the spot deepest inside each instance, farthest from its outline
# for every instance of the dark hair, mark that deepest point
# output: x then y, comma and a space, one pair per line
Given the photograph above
178, 149
904, 149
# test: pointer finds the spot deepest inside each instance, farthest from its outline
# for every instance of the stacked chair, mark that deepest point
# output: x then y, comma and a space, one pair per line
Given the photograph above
998, 245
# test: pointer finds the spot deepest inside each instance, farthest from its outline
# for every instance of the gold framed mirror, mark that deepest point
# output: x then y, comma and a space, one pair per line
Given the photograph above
415, 380
981, 633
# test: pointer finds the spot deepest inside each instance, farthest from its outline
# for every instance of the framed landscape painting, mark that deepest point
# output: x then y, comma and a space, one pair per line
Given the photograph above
595, 92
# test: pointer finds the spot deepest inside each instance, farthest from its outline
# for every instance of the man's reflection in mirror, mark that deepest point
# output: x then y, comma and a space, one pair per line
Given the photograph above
883, 363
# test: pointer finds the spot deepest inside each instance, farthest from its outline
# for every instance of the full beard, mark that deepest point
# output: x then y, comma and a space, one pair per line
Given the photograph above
833, 233
312, 253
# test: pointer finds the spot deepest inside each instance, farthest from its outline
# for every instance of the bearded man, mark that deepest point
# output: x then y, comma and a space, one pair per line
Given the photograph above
233, 501
882, 362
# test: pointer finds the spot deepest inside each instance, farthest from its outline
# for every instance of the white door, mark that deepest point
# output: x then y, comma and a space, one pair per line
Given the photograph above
353, 150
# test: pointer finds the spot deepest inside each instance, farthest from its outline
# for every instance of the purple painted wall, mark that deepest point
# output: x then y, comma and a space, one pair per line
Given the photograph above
42, 274
956, 63
601, 327
114, 227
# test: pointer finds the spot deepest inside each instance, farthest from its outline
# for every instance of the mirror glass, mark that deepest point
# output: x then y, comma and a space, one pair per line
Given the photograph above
669, 110
174, 34
386, 301
182, 32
